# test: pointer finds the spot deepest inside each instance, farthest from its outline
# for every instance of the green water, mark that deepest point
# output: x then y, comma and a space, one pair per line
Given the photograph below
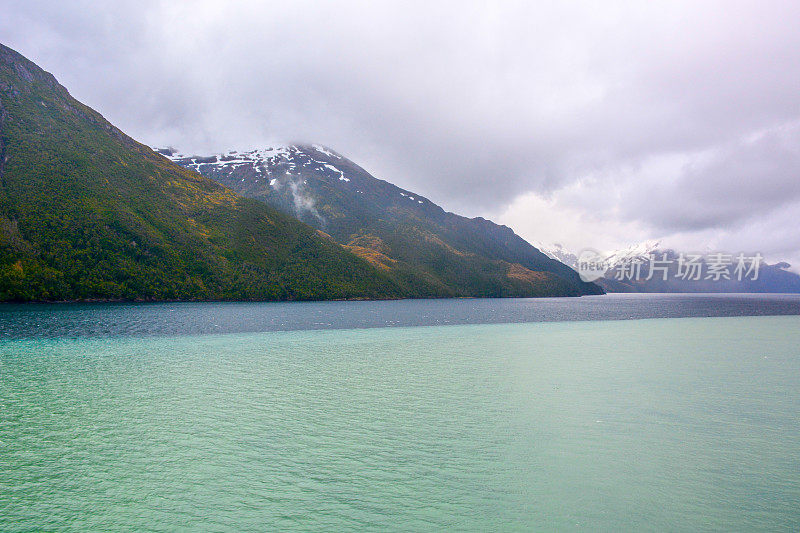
668, 424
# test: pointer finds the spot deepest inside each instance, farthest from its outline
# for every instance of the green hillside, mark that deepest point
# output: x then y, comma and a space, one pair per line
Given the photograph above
88, 213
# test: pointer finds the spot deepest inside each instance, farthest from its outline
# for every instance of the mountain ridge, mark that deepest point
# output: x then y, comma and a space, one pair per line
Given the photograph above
426, 246
87, 213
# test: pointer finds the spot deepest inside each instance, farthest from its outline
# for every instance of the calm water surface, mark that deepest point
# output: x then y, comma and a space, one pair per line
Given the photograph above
662, 424
80, 320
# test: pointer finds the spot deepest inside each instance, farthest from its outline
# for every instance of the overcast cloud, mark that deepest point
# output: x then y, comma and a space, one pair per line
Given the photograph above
571, 123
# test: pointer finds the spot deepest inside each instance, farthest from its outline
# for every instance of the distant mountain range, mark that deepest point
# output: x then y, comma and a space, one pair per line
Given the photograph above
88, 213
426, 250
769, 278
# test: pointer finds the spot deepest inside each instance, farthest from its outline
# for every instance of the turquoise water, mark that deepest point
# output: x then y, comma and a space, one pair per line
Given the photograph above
662, 424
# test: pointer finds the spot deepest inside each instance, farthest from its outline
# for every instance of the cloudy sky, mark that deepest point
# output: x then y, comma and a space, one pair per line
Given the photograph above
573, 124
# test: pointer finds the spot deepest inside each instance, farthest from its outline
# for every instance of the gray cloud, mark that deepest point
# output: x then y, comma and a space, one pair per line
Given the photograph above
728, 185
471, 105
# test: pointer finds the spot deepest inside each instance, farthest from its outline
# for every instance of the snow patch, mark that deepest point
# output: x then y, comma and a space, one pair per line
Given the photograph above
323, 150
331, 167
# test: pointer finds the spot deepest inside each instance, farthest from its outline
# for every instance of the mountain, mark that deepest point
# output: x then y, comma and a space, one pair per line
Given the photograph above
557, 252
621, 276
426, 250
87, 213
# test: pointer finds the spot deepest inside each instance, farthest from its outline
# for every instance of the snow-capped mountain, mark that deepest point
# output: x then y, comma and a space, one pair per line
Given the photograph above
295, 178
557, 252
428, 250
639, 251
272, 163
614, 258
